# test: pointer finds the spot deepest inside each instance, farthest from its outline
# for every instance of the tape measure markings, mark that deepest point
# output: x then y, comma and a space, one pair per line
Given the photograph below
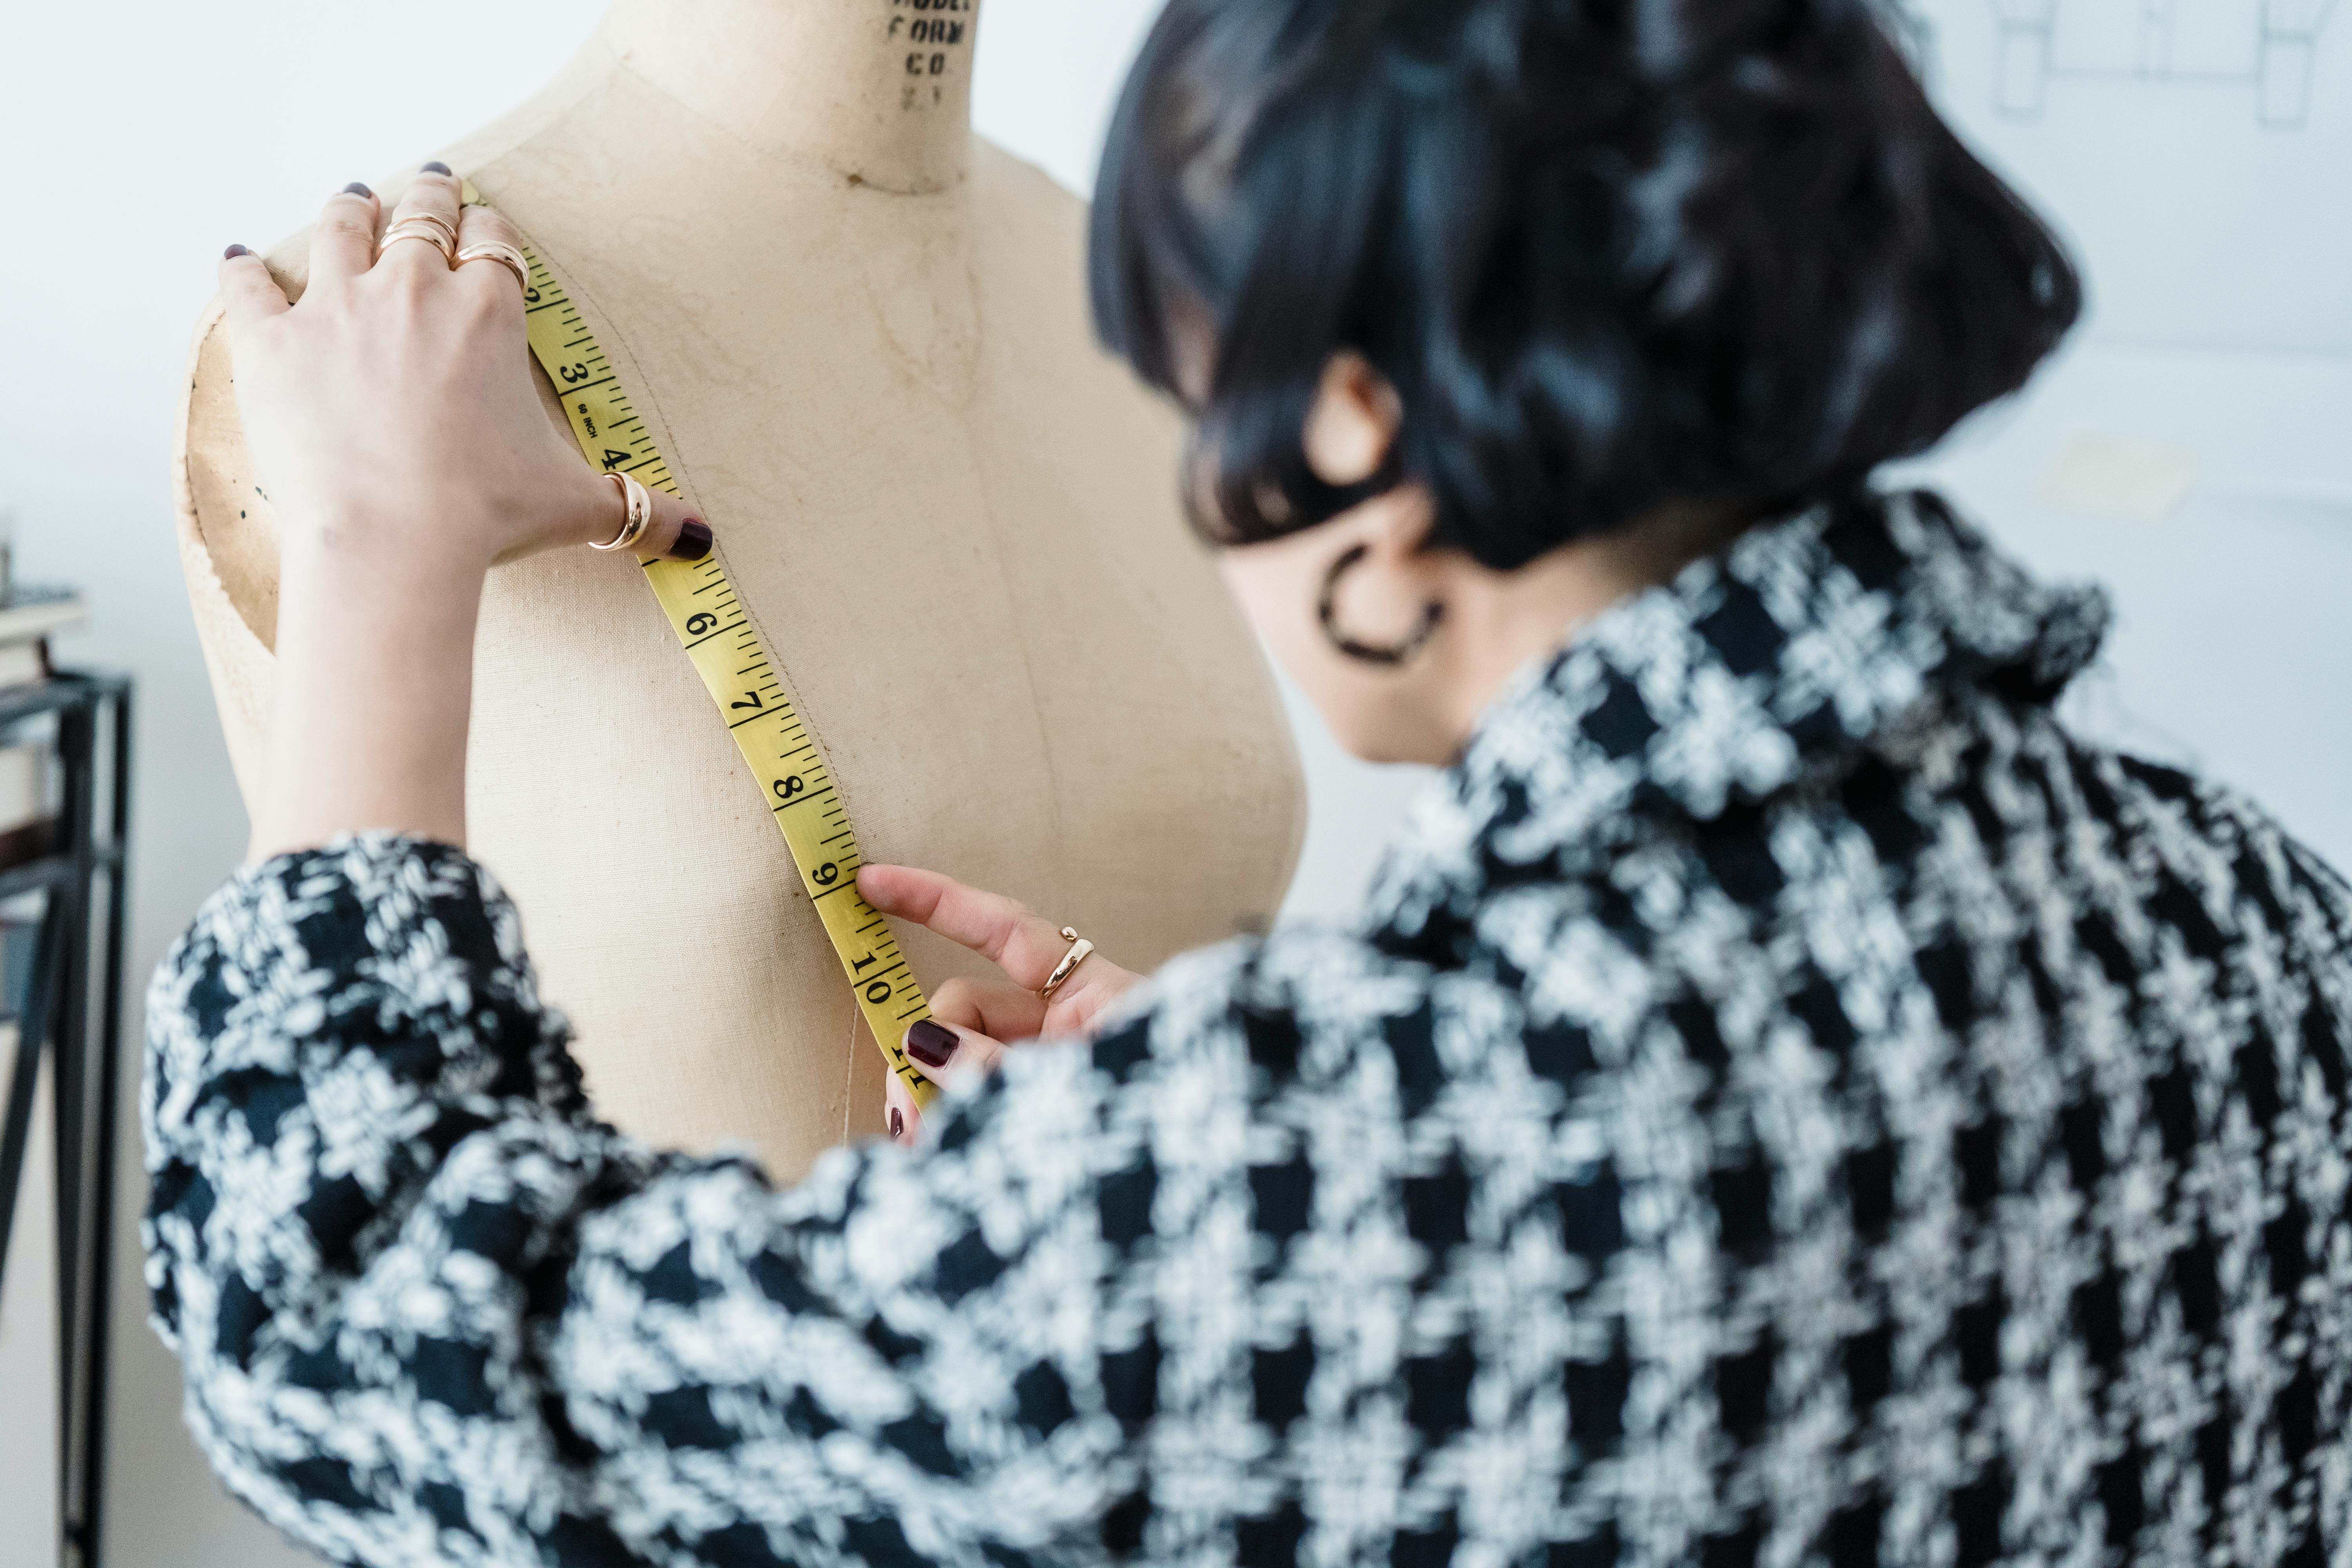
615, 440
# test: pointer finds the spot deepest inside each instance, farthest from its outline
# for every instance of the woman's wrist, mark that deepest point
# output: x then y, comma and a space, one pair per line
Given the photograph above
372, 688
371, 550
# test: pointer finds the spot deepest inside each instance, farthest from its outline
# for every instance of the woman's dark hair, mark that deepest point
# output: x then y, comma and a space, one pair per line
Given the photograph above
1611, 255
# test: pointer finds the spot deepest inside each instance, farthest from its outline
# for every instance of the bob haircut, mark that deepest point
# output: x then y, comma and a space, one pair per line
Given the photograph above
1611, 254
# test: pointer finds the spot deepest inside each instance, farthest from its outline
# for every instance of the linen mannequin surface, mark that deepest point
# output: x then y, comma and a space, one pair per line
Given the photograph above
859, 334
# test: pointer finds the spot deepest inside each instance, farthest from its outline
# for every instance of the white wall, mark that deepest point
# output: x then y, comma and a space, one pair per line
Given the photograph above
144, 137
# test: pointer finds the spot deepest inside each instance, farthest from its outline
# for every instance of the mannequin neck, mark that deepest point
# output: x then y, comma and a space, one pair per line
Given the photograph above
878, 90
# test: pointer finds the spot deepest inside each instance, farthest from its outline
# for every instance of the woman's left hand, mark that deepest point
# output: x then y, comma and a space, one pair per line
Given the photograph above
392, 410
972, 1019
395, 423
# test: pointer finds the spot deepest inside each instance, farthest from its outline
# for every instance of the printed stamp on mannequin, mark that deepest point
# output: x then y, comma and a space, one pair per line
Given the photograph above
938, 32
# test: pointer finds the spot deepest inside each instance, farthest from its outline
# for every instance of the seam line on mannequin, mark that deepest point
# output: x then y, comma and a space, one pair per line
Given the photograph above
849, 1076
1028, 676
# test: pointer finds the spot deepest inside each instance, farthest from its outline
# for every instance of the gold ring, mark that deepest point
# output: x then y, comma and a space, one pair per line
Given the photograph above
505, 255
448, 230
640, 512
424, 227
1079, 948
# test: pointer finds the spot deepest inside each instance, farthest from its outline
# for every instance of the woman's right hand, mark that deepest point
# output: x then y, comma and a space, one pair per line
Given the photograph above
972, 1019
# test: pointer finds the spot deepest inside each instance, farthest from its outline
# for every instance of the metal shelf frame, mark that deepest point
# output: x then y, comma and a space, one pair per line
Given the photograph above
73, 1017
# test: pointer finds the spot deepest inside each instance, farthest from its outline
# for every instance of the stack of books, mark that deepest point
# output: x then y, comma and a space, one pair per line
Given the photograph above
28, 615
28, 791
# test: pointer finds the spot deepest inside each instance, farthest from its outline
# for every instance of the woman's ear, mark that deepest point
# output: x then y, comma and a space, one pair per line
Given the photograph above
1353, 423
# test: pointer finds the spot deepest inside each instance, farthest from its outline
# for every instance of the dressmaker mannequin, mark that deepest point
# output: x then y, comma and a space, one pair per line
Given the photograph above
859, 335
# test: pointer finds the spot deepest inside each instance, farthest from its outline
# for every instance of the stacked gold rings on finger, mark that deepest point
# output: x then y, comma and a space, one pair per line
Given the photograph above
1079, 948
434, 231
505, 255
640, 507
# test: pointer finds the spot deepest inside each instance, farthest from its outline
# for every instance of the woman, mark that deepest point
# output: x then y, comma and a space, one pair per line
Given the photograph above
1785, 1100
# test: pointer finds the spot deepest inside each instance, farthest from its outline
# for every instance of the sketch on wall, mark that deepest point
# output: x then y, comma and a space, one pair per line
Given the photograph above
2196, 155
2266, 48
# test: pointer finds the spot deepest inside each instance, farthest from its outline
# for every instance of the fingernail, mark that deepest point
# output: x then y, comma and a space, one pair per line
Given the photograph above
437, 167
356, 189
693, 541
233, 251
932, 1043
898, 1123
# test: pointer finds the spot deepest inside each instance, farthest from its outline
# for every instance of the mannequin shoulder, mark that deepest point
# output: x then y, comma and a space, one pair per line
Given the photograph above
228, 528
1019, 193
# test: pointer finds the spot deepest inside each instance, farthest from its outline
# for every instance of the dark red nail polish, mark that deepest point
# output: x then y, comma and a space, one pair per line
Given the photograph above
693, 541
898, 1123
356, 189
932, 1043
233, 251
437, 167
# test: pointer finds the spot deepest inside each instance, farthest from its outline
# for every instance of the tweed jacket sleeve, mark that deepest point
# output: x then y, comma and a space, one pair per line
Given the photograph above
431, 1311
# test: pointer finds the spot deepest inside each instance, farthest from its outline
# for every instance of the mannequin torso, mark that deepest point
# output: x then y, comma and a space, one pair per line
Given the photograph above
859, 336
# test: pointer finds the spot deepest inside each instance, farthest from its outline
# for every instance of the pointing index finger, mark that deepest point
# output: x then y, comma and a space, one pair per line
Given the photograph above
1025, 947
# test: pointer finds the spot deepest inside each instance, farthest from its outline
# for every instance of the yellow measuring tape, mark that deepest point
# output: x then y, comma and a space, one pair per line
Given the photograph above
743, 676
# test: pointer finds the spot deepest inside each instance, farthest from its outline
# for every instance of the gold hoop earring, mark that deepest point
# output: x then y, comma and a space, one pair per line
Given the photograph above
1388, 656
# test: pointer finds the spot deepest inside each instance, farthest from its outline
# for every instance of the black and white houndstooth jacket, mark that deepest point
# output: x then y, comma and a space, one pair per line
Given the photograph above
1787, 1102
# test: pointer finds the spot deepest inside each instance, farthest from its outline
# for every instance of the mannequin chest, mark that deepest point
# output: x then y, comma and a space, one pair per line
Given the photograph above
953, 521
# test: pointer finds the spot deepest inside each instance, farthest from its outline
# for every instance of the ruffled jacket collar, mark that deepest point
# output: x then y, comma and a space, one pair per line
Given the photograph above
1777, 662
